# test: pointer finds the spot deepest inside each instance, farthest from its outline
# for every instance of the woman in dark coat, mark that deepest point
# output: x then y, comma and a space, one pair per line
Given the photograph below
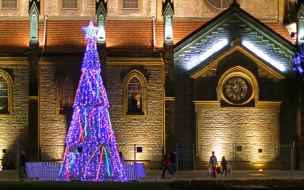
224, 165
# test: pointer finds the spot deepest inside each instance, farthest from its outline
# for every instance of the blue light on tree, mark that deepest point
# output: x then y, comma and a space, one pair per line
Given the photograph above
298, 60
91, 150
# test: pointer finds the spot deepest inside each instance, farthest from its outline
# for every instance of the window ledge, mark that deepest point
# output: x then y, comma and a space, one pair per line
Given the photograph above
68, 9
8, 8
5, 114
135, 113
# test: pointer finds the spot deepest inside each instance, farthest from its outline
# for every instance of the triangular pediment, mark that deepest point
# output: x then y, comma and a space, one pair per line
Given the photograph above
168, 8
203, 70
34, 7
234, 23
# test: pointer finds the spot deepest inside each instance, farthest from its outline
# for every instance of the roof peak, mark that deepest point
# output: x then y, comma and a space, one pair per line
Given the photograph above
234, 4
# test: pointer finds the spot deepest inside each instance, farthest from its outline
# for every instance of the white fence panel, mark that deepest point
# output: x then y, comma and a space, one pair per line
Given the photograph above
48, 171
45, 171
135, 171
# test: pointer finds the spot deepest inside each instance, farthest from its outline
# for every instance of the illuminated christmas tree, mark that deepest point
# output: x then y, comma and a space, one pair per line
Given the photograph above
91, 153
298, 60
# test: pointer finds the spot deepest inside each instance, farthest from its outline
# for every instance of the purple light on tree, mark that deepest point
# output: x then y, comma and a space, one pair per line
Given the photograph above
91, 150
298, 60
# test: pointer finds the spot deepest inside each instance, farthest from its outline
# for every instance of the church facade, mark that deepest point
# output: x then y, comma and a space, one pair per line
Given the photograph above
196, 76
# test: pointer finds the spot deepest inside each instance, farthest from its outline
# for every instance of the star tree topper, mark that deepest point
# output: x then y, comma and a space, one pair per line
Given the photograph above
91, 31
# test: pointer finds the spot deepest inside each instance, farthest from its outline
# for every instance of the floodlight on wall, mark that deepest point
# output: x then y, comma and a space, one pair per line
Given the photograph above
215, 48
139, 149
208, 53
292, 30
239, 148
263, 56
79, 149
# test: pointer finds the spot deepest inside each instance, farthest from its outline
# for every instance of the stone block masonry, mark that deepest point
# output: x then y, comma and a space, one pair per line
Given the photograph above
142, 132
249, 129
14, 128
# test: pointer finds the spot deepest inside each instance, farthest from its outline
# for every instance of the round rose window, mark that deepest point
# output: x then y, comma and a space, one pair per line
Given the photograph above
236, 89
219, 4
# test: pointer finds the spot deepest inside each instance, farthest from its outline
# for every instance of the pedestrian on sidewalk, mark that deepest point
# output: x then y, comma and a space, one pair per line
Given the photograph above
166, 166
213, 164
122, 160
224, 166
173, 162
22, 164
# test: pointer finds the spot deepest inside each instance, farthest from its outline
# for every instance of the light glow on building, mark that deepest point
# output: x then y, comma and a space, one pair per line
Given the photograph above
215, 48
263, 56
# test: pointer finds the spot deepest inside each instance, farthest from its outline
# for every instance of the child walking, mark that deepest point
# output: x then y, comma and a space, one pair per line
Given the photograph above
166, 164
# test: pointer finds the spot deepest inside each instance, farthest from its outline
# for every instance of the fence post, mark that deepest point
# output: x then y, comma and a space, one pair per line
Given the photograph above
291, 159
18, 161
193, 148
176, 162
233, 163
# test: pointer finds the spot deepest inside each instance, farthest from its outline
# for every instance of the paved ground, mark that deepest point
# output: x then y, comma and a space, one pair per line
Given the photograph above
239, 175
152, 175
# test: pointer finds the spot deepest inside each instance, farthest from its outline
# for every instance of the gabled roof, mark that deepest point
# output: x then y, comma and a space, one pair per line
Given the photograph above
233, 23
14, 36
276, 34
123, 36
212, 61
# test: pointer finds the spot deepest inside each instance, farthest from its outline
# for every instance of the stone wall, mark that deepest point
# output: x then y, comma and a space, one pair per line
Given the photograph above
14, 128
184, 113
267, 90
288, 117
21, 12
142, 132
182, 9
198, 9
170, 126
52, 129
253, 129
208, 86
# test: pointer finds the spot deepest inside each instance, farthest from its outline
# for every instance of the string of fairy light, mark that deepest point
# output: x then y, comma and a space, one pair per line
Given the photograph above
91, 152
298, 60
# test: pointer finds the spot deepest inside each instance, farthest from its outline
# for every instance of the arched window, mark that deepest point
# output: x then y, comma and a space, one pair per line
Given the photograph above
65, 93
6, 92
3, 96
135, 95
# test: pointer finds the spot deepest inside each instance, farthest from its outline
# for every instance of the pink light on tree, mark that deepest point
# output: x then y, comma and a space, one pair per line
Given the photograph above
91, 149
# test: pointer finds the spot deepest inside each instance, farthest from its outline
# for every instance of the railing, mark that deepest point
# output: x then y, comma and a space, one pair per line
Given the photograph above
48, 171
45, 171
135, 171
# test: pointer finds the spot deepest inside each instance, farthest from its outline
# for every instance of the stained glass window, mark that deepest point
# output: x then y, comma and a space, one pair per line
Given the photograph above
236, 88
3, 95
130, 4
134, 96
69, 4
67, 94
9, 3
220, 4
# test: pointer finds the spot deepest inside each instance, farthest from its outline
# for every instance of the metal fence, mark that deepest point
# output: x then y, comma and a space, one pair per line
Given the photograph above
193, 160
262, 159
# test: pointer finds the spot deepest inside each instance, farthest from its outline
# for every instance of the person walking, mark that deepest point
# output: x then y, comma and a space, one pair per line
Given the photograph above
22, 164
166, 166
213, 164
122, 160
173, 162
224, 166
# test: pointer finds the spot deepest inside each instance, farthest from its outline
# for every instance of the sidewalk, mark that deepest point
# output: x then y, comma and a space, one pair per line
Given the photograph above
238, 175
153, 175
